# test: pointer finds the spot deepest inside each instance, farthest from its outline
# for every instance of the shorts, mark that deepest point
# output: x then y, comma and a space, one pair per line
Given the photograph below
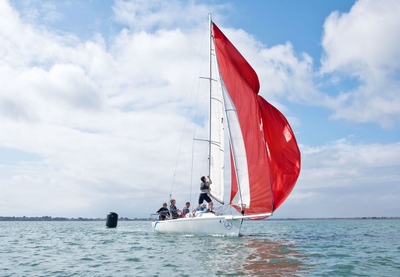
204, 196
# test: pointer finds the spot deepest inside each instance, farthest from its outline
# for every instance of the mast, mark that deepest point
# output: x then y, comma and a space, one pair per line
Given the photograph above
210, 89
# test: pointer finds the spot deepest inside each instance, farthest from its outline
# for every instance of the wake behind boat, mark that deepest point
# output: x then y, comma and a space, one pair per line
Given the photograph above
265, 158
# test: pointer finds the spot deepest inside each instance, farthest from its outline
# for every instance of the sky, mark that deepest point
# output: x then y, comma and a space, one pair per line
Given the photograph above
97, 110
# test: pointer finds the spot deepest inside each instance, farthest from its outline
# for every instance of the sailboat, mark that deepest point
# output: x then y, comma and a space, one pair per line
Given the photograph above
264, 155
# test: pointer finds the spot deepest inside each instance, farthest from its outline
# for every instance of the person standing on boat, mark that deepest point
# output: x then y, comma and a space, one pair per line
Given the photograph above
204, 191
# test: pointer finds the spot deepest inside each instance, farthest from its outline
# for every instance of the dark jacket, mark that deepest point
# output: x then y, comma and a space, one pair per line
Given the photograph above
163, 213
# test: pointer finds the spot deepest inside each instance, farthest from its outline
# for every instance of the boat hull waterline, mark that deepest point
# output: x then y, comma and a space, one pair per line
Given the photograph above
207, 224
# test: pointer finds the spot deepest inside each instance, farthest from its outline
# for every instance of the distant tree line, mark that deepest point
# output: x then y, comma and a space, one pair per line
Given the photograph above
50, 218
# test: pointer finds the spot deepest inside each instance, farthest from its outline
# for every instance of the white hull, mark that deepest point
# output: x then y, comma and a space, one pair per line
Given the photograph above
206, 224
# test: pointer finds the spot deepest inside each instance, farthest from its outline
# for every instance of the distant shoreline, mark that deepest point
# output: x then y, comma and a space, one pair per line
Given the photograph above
49, 218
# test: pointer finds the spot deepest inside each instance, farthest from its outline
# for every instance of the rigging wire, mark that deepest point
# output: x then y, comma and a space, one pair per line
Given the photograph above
201, 57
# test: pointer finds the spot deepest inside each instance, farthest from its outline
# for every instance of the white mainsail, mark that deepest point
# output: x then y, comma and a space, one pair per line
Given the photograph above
216, 150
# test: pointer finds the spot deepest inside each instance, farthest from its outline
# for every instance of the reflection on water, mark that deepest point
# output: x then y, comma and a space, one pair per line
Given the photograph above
249, 256
273, 259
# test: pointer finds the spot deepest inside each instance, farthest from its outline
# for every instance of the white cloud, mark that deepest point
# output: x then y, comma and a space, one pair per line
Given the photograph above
91, 115
364, 44
342, 163
345, 180
153, 15
105, 121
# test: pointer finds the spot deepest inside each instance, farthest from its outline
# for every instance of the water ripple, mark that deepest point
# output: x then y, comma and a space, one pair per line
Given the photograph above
266, 248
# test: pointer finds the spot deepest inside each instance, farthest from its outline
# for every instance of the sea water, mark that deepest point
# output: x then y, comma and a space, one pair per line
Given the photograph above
266, 248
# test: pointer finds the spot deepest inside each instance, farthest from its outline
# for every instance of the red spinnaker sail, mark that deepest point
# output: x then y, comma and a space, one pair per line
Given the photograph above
273, 157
